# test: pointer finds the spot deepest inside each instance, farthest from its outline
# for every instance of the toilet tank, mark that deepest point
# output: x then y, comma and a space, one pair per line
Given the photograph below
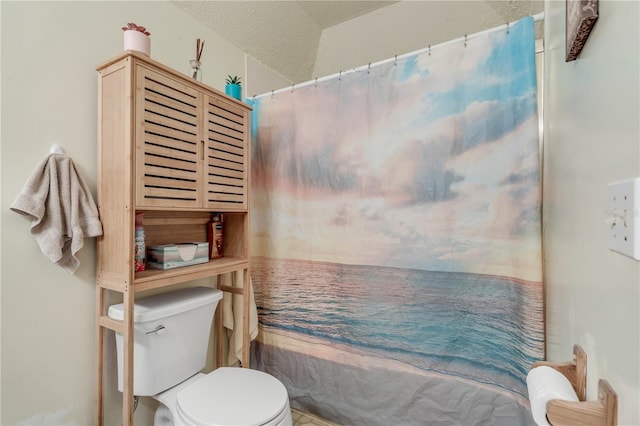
171, 337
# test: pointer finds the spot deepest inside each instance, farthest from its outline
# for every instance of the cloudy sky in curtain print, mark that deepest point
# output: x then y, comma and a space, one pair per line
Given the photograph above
430, 163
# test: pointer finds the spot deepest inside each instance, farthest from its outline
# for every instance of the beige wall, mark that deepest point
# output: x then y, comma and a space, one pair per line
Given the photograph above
261, 79
400, 28
592, 138
49, 94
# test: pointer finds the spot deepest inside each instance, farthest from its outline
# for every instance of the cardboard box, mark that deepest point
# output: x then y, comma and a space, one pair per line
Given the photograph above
171, 256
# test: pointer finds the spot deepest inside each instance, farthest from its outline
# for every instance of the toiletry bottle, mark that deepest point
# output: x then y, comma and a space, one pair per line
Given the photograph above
215, 236
140, 255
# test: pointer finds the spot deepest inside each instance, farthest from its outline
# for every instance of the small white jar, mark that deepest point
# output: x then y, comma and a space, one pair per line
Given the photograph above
136, 40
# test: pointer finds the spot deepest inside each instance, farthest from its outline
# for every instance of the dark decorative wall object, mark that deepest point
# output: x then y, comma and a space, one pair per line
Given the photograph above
581, 16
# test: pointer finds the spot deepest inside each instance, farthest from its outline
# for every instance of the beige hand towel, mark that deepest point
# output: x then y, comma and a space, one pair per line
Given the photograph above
61, 208
232, 316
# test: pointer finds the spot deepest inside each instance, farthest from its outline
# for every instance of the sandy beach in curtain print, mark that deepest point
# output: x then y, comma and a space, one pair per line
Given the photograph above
437, 339
481, 328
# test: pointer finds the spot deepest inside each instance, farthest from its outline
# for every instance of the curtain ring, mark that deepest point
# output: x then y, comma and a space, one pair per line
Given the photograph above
272, 90
429, 50
465, 40
395, 61
507, 27
369, 68
340, 75
316, 84
292, 87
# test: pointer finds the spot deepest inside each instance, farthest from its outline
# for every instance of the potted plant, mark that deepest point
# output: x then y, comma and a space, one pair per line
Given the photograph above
137, 38
233, 87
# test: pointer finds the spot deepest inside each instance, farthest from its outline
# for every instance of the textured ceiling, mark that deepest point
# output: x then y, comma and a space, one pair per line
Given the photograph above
329, 13
284, 35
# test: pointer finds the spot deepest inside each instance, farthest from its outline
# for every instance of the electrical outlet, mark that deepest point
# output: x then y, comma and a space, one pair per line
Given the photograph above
624, 217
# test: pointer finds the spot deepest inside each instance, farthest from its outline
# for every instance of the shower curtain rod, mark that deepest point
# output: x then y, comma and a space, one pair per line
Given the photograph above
536, 18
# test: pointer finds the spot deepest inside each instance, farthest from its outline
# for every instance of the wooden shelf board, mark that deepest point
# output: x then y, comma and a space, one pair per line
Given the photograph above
154, 278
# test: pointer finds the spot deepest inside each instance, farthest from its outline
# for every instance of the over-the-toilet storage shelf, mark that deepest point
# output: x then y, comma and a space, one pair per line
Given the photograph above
176, 150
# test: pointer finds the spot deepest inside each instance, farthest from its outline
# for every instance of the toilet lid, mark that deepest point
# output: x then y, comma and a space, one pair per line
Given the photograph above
233, 396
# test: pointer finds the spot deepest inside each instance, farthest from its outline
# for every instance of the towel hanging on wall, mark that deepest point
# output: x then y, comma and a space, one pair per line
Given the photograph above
61, 208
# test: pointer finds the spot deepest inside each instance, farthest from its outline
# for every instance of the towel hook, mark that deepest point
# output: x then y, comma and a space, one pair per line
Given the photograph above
57, 149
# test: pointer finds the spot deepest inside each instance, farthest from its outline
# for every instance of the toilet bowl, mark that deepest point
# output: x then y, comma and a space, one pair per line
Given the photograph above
171, 335
227, 396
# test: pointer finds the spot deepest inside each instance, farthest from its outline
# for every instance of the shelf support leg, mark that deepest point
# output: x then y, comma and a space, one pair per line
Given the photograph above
246, 318
219, 330
98, 394
127, 336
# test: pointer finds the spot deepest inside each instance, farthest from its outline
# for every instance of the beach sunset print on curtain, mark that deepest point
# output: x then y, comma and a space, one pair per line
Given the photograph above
396, 227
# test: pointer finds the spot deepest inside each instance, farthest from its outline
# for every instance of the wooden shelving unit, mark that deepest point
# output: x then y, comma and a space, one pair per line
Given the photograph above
177, 151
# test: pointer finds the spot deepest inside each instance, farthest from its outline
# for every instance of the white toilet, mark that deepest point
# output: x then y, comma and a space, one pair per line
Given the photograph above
171, 336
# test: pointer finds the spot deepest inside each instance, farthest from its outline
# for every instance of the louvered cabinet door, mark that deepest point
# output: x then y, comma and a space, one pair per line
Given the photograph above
169, 139
226, 155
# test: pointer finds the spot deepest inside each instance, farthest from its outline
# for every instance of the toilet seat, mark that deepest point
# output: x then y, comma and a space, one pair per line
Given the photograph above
234, 396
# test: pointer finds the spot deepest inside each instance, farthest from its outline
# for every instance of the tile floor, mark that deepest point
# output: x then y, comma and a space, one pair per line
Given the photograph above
304, 419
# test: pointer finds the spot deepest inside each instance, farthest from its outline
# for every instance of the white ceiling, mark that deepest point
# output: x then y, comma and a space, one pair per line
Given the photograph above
284, 35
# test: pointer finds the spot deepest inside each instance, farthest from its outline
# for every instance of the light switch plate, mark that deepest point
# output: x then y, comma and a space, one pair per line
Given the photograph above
624, 214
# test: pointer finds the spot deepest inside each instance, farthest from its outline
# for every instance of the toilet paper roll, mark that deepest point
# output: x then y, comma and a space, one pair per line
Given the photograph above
544, 384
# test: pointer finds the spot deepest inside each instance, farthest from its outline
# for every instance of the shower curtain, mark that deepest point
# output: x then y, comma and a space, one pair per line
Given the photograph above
397, 240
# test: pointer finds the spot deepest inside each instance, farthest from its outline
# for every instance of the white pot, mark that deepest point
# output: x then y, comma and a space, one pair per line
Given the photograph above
135, 40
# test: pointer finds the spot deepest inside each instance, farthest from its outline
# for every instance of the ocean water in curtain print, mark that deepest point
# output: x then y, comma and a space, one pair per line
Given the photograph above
396, 237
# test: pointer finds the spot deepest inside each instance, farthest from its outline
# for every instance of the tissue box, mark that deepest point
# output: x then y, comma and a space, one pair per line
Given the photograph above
171, 256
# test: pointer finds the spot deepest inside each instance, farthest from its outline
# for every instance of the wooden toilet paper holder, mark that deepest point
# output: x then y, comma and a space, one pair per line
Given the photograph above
603, 412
